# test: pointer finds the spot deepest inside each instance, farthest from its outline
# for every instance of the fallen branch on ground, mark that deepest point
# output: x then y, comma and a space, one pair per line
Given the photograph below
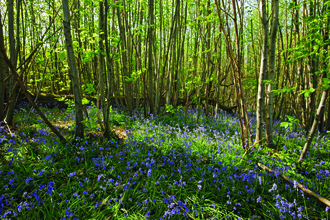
309, 192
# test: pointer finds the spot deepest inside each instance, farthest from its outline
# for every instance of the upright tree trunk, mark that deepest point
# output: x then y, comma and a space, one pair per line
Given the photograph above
271, 73
301, 101
236, 68
312, 73
180, 59
2, 74
79, 132
218, 77
263, 70
158, 91
124, 59
10, 114
150, 62
109, 71
173, 50
101, 64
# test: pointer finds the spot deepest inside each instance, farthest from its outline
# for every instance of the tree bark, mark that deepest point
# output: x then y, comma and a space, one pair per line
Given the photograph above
10, 115
263, 70
150, 55
2, 75
271, 73
79, 131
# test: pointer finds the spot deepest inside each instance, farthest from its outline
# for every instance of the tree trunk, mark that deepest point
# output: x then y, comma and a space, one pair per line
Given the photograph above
2, 75
124, 59
109, 71
10, 114
180, 59
101, 64
13, 69
314, 126
263, 70
79, 131
150, 64
173, 50
271, 73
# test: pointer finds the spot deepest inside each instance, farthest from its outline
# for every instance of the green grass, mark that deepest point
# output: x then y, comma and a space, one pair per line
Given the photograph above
167, 168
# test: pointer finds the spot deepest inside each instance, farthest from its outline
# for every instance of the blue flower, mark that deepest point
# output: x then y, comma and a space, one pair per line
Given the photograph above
72, 174
274, 187
27, 180
259, 199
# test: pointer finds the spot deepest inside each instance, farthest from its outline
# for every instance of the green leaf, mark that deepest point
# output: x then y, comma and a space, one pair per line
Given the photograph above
306, 92
85, 101
285, 124
285, 89
90, 89
61, 99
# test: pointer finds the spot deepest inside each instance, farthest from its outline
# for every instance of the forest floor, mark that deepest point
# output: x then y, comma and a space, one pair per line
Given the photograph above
161, 167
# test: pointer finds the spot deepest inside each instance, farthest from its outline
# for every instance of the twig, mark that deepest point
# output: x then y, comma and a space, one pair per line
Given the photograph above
309, 192
4, 120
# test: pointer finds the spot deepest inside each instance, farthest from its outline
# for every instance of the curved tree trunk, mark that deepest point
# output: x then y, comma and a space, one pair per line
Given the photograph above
13, 69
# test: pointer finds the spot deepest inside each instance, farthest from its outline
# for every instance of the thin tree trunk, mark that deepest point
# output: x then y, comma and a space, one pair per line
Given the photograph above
10, 115
102, 29
109, 71
150, 64
314, 126
2, 75
158, 91
79, 131
124, 59
263, 69
180, 58
171, 75
271, 73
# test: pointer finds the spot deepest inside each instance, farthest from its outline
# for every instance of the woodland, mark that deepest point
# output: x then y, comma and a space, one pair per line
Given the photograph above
164, 109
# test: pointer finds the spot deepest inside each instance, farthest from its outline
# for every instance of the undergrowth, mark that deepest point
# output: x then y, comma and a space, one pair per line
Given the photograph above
166, 168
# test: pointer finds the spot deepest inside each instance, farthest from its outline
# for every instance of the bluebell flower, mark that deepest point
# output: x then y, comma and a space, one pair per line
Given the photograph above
72, 174
28, 179
273, 188
259, 199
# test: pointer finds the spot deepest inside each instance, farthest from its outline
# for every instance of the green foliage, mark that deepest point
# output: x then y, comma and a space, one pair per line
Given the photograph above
92, 121
172, 110
134, 76
285, 89
195, 100
293, 121
85, 101
306, 92
90, 89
